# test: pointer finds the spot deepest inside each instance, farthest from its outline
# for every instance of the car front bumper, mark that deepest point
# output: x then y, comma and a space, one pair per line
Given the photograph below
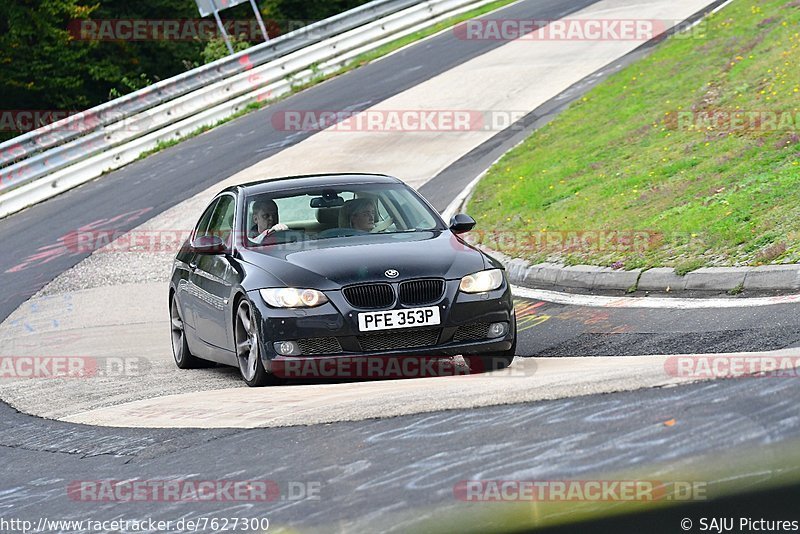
331, 330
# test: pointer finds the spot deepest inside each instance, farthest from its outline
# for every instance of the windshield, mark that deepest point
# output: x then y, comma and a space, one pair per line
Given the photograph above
344, 211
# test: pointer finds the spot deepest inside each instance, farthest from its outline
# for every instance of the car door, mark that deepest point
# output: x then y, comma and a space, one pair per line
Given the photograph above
186, 289
212, 278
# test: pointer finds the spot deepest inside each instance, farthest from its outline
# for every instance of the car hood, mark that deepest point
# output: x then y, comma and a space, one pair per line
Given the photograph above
336, 262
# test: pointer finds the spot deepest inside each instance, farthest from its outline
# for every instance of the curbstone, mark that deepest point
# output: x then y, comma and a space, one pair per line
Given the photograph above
661, 278
609, 278
516, 268
766, 277
547, 273
580, 276
529, 275
773, 277
716, 278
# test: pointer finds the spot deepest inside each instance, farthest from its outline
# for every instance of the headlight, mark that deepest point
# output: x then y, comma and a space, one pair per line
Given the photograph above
482, 281
290, 297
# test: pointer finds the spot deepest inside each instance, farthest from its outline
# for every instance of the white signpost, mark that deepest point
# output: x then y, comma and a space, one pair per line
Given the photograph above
213, 7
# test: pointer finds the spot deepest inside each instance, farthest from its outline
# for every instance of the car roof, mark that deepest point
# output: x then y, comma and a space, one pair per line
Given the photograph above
272, 185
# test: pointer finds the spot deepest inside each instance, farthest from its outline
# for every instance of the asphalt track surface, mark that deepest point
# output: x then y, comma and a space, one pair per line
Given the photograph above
394, 474
127, 197
398, 475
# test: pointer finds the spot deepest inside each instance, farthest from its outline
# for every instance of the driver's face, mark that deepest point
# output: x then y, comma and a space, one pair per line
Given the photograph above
265, 220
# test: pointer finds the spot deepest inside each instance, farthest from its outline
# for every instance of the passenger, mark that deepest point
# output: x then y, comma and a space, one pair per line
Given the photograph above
359, 213
265, 220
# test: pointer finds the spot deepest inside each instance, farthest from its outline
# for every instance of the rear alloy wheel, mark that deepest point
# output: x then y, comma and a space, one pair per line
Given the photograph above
247, 348
184, 359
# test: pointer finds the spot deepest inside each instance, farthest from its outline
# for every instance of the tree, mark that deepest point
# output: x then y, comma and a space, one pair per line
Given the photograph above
47, 64
40, 66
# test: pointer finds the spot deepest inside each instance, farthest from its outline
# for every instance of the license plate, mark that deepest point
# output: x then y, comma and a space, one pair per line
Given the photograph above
386, 320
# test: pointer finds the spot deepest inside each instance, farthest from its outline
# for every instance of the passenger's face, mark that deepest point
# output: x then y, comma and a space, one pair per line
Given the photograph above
364, 218
265, 220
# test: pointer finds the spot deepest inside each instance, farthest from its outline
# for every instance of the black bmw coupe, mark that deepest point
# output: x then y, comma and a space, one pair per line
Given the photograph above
334, 266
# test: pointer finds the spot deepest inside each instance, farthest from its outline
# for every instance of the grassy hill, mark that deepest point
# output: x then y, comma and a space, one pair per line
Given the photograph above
694, 151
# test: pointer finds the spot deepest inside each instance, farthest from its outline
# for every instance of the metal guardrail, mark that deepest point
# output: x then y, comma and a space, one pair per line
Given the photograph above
59, 132
52, 159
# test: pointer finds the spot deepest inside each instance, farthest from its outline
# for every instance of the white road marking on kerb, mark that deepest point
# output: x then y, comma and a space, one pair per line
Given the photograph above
648, 302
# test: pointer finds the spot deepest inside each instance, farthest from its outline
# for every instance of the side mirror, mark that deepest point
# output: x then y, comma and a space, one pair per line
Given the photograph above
209, 244
461, 222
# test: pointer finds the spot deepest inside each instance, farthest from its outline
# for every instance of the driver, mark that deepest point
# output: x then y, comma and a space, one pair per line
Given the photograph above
265, 220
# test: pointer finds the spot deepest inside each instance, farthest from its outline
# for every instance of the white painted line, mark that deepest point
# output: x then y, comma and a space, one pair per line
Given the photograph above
648, 302
457, 202
720, 7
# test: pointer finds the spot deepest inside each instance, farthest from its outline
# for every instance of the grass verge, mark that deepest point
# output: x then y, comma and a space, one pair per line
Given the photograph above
688, 158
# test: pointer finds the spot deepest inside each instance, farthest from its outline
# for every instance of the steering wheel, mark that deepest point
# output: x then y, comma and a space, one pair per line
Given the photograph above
383, 225
282, 237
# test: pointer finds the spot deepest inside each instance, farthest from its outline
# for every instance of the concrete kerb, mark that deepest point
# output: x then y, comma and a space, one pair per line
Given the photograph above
591, 277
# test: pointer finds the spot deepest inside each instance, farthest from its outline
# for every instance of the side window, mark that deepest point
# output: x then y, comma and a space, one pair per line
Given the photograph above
202, 225
222, 220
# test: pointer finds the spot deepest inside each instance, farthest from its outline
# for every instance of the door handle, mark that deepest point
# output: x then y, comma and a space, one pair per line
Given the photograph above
193, 266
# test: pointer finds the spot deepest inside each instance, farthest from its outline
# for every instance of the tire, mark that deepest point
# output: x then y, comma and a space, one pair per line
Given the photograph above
493, 361
184, 359
248, 350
